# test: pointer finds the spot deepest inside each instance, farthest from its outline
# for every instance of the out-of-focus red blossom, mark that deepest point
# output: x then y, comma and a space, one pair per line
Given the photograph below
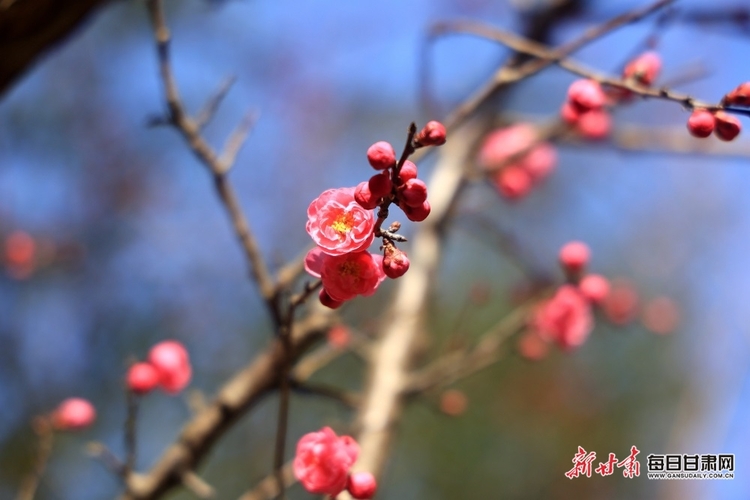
339, 336
644, 69
433, 134
73, 414
595, 124
586, 95
346, 276
701, 123
453, 402
323, 460
513, 182
532, 346
20, 254
621, 305
381, 155
171, 361
727, 126
502, 144
565, 318
362, 485
661, 315
594, 287
739, 96
569, 113
338, 224
574, 257
142, 378
395, 262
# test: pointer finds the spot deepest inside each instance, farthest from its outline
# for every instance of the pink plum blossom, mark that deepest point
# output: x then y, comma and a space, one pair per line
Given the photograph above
565, 318
323, 461
348, 275
338, 224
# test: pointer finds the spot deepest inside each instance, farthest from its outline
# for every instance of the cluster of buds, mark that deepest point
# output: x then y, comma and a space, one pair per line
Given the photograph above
517, 159
342, 223
567, 317
704, 122
168, 366
585, 109
323, 464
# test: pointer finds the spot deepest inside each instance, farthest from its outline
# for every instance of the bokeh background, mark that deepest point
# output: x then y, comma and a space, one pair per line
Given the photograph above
132, 246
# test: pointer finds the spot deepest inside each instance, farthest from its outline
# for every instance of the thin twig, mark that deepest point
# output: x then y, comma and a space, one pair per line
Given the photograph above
130, 432
190, 130
45, 436
212, 105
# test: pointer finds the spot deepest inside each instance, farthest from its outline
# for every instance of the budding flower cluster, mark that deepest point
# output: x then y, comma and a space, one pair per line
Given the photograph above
585, 109
168, 366
517, 159
343, 226
703, 123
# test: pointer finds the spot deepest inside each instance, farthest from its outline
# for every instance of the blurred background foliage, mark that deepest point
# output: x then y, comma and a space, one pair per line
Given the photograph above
131, 247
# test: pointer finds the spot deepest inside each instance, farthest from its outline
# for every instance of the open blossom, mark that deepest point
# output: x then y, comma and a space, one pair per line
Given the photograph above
338, 224
323, 461
565, 318
348, 275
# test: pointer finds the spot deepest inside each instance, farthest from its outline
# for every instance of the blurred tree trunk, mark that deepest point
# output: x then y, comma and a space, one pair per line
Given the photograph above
28, 28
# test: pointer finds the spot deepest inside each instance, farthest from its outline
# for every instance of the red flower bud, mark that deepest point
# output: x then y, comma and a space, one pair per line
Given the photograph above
73, 414
513, 182
574, 256
433, 134
594, 287
414, 192
329, 301
416, 214
142, 378
586, 95
595, 124
701, 123
381, 155
408, 171
364, 196
395, 262
727, 126
739, 96
644, 68
362, 485
379, 184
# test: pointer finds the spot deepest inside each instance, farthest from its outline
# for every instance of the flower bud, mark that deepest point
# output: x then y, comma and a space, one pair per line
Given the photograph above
416, 214
644, 68
364, 196
142, 378
595, 124
739, 96
414, 192
569, 113
408, 171
513, 182
586, 95
73, 414
361, 485
379, 184
381, 155
594, 287
171, 361
727, 126
701, 123
433, 134
329, 301
574, 256
395, 262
